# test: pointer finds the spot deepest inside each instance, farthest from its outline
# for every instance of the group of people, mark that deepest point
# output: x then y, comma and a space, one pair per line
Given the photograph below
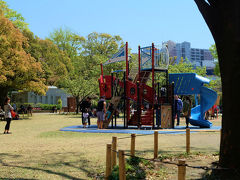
182, 107
85, 107
10, 112
102, 112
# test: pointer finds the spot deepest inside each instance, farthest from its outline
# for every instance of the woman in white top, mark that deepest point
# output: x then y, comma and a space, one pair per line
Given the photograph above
8, 116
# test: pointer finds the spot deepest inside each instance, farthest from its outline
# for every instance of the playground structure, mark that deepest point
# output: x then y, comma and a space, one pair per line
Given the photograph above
193, 84
147, 91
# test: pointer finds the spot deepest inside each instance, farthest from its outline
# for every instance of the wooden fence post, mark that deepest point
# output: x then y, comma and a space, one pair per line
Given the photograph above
181, 170
188, 140
133, 136
155, 144
122, 170
108, 161
114, 153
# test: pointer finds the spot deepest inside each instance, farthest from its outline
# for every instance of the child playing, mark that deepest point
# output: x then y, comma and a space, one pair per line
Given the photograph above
85, 119
109, 111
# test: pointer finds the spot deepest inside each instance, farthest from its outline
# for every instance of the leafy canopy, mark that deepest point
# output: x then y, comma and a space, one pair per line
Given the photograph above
19, 70
55, 63
16, 18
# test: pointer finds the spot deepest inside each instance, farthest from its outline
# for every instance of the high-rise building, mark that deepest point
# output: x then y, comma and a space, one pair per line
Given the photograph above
183, 50
197, 56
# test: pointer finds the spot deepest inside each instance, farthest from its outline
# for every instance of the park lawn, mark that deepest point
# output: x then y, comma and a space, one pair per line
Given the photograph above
38, 150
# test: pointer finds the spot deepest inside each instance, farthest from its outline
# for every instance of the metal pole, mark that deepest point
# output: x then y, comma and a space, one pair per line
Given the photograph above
115, 118
139, 62
124, 101
101, 69
173, 106
138, 106
153, 88
167, 85
112, 84
127, 67
155, 144
187, 140
127, 72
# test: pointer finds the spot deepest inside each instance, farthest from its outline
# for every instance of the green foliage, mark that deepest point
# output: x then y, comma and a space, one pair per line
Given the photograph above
59, 103
16, 18
186, 67
216, 85
98, 48
46, 106
134, 169
213, 50
19, 70
55, 63
85, 55
68, 41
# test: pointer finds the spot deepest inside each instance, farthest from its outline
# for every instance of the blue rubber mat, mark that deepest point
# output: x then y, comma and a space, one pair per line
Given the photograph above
198, 128
93, 129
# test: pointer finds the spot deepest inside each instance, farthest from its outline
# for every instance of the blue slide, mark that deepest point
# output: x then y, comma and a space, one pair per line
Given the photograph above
191, 83
208, 99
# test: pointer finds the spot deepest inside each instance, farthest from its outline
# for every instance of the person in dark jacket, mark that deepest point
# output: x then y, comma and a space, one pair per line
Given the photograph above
178, 105
187, 105
86, 108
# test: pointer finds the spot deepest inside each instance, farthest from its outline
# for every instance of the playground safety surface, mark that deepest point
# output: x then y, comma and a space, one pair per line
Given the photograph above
134, 130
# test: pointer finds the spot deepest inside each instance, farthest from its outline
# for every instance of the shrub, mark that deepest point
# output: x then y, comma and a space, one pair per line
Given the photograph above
59, 104
46, 106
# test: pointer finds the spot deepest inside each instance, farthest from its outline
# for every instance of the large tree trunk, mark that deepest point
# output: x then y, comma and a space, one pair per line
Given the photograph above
223, 20
3, 95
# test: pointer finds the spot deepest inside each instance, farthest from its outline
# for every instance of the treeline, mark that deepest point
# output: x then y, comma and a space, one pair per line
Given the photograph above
64, 59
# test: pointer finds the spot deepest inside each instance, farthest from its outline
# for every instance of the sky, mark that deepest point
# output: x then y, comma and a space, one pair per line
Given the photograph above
140, 22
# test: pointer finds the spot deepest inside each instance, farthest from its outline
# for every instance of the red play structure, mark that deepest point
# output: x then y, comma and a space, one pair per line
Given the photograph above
144, 90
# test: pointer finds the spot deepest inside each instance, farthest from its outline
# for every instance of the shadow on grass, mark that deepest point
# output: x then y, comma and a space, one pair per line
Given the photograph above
220, 174
16, 179
53, 163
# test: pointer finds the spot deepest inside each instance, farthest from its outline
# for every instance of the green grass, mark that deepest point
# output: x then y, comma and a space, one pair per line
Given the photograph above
38, 150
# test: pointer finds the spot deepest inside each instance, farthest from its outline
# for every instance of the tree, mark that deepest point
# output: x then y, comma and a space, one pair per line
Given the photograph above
184, 66
99, 47
213, 50
19, 70
55, 63
68, 41
223, 20
86, 56
16, 18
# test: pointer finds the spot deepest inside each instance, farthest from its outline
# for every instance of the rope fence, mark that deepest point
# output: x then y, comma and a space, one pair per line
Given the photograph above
111, 157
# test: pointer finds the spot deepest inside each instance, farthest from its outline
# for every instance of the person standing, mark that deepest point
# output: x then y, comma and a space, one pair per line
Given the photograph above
8, 116
187, 105
101, 110
29, 110
86, 108
178, 105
